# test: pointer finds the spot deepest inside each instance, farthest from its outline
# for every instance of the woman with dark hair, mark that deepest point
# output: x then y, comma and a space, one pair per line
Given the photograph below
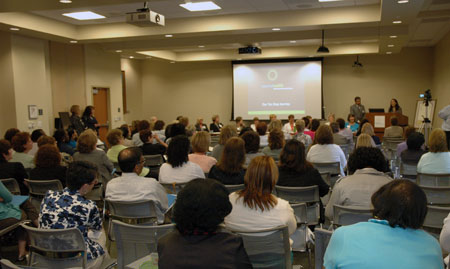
414, 151
158, 129
62, 141
178, 168
10, 169
89, 119
70, 209
35, 135
126, 133
394, 107
10, 133
174, 130
142, 125
229, 170
255, 207
251, 140
361, 124
351, 123
48, 165
261, 129
393, 238
315, 123
198, 241
22, 144
276, 143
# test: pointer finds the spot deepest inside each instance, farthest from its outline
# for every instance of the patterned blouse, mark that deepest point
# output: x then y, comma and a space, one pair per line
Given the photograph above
68, 209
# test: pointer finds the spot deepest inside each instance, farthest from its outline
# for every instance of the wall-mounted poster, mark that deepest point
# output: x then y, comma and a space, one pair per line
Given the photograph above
421, 112
33, 112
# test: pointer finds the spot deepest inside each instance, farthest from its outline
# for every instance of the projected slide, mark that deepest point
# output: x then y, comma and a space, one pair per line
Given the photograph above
283, 88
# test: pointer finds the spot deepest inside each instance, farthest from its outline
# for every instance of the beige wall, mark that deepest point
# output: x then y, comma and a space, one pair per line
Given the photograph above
441, 77
7, 103
133, 80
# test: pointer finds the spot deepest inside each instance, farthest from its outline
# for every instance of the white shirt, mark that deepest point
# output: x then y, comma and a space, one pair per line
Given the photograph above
445, 115
444, 238
33, 151
243, 218
180, 174
130, 187
327, 153
137, 140
287, 128
263, 141
253, 126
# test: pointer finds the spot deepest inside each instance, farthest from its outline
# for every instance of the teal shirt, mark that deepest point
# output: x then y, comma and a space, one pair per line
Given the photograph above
375, 244
8, 210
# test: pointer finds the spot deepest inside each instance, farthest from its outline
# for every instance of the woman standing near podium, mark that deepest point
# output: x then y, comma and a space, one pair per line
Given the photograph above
394, 107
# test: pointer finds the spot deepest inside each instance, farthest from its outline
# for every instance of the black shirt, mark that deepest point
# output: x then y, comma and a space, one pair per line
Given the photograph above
16, 171
311, 177
152, 149
227, 178
77, 124
49, 173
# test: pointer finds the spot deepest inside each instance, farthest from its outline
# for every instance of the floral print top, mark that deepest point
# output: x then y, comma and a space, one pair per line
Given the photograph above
68, 209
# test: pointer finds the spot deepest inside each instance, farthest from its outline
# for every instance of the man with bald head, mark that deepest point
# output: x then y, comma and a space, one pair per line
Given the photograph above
131, 187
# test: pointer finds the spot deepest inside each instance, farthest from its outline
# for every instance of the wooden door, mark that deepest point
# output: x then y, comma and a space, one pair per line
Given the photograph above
100, 97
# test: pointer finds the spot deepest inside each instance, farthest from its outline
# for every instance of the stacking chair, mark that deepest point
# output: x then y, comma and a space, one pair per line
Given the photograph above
56, 248
308, 195
136, 241
268, 248
333, 168
348, 215
38, 189
173, 188
6, 234
326, 176
299, 238
437, 196
433, 179
390, 145
434, 221
233, 188
346, 149
214, 140
322, 239
6, 264
12, 185
408, 171
153, 160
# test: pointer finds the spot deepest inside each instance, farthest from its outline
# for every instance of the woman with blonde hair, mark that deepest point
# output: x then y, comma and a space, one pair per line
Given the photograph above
364, 140
200, 144
255, 207
226, 133
368, 129
230, 169
437, 161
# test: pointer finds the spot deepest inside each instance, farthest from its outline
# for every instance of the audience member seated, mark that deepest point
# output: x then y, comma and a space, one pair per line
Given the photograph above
73, 137
394, 130
244, 130
254, 124
272, 117
251, 140
255, 207
229, 170
189, 129
198, 241
75, 120
226, 133
11, 214
437, 161
158, 129
444, 238
351, 123
200, 144
34, 137
403, 146
392, 239
142, 125
200, 126
134, 127
307, 123
215, 126
366, 167
22, 144
239, 123
368, 129
131, 187
261, 129
58, 213
178, 168
361, 124
338, 139
11, 169
276, 143
62, 141
174, 130
48, 165
412, 155
149, 148
10, 133
346, 132
275, 124
315, 123
126, 133
364, 140
87, 151
300, 135
289, 127
46, 140
331, 118
324, 151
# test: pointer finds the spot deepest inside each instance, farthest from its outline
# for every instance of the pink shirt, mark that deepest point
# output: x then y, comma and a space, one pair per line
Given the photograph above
205, 162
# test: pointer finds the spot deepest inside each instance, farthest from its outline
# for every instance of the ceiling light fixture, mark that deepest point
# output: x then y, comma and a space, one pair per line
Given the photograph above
168, 35
323, 49
292, 41
393, 36
201, 46
84, 15
276, 29
73, 41
390, 46
388, 52
200, 6
403, 1
131, 57
172, 62
118, 50
397, 22
65, 1
14, 29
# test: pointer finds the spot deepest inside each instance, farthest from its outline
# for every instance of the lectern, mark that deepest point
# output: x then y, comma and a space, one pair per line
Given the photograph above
382, 120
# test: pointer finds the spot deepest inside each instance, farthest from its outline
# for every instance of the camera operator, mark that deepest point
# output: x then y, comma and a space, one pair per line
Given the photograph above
445, 115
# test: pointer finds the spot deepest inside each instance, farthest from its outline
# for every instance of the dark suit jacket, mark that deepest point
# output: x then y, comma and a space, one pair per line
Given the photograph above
214, 128
77, 124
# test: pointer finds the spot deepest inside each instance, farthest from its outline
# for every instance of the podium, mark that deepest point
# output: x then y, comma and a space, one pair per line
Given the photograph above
382, 120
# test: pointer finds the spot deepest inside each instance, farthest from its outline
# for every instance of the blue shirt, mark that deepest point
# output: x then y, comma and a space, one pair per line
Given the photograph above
434, 163
375, 244
353, 127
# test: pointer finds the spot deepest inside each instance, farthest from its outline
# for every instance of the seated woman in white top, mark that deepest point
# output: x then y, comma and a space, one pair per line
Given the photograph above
178, 168
200, 144
255, 207
437, 161
324, 151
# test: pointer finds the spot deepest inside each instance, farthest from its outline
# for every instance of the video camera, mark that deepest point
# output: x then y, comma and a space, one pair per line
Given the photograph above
426, 96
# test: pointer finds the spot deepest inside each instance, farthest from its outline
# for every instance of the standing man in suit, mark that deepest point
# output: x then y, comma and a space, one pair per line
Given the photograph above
358, 110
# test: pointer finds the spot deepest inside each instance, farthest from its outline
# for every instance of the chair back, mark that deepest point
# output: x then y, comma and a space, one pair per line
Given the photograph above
299, 237
322, 239
173, 188
12, 185
214, 140
153, 160
7, 264
435, 217
333, 168
408, 170
346, 149
348, 215
308, 195
131, 210
69, 242
137, 241
391, 143
433, 179
437, 195
268, 248
233, 188
326, 176
38, 189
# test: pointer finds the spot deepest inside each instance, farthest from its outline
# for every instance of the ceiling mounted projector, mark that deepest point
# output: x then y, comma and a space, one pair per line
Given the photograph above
323, 49
145, 17
250, 50
357, 63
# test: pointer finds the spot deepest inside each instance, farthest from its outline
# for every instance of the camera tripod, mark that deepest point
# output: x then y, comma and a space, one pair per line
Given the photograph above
425, 127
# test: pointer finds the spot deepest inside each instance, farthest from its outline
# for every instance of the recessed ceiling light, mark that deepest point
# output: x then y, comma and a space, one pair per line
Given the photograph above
390, 46
402, 1
200, 6
73, 41
393, 36
131, 57
168, 35
239, 59
397, 22
172, 62
276, 29
329, 0
65, 1
148, 57
14, 29
388, 52
84, 15
201, 46
293, 41
118, 50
